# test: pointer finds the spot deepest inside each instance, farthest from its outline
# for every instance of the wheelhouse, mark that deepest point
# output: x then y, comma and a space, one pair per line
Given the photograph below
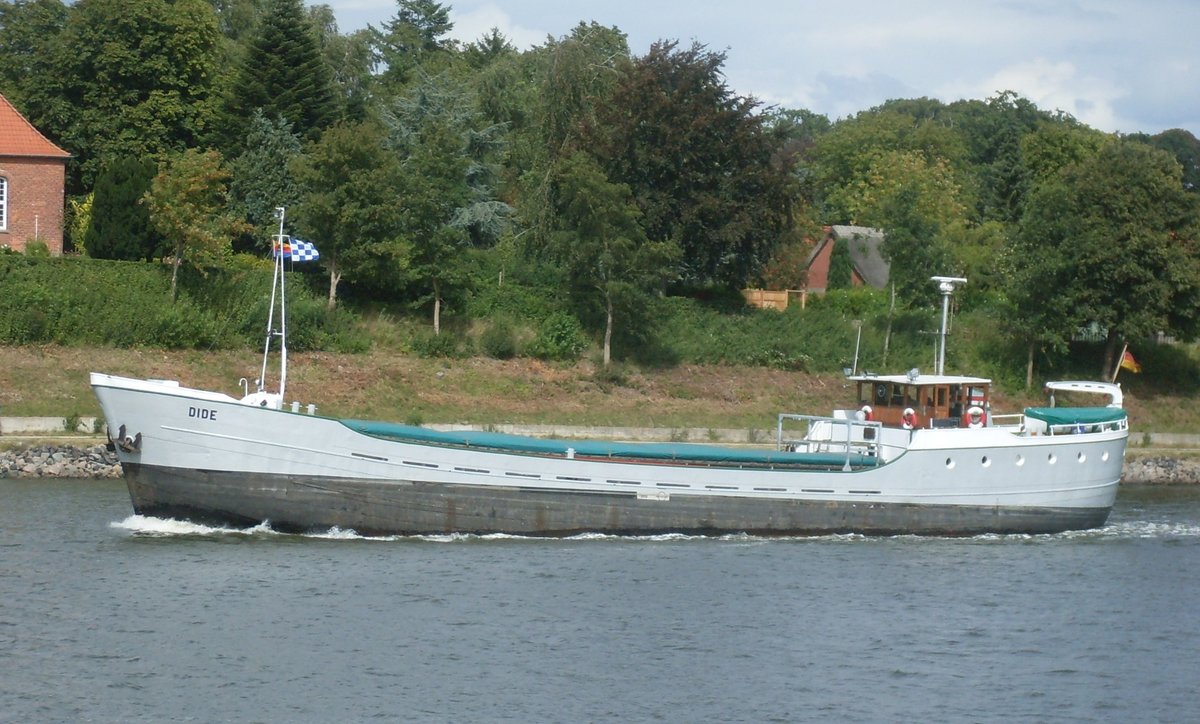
936, 400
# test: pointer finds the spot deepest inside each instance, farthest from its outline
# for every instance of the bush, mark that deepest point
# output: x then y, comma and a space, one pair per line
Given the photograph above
182, 326
428, 344
560, 337
499, 340
81, 301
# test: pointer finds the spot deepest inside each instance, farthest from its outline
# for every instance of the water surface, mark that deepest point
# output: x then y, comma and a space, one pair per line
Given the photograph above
107, 616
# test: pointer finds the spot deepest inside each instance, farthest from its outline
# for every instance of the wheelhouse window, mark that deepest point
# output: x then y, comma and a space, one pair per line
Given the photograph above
3, 204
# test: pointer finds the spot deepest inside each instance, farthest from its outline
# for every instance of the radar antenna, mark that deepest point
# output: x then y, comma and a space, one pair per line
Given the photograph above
946, 287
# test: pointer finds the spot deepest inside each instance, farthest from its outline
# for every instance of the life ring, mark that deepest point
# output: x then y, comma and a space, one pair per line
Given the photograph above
975, 415
909, 419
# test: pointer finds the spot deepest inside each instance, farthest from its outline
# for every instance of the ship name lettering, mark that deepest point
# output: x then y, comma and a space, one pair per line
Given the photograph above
202, 413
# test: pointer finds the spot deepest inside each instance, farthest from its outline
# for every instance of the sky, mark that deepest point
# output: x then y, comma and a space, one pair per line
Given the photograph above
1117, 65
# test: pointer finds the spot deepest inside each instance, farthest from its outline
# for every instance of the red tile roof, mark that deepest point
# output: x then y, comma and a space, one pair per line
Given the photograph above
19, 138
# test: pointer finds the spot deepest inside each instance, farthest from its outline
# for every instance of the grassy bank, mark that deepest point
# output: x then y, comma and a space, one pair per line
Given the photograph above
53, 381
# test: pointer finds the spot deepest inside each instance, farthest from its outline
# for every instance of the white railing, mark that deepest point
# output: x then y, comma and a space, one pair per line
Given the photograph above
830, 435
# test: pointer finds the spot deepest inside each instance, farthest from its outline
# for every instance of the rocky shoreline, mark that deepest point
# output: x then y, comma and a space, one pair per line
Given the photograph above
59, 461
69, 461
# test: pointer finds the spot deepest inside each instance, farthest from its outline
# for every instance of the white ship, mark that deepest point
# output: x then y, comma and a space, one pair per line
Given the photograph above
929, 458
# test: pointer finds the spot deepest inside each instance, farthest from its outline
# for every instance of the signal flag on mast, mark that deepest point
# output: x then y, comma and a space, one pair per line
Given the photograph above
297, 250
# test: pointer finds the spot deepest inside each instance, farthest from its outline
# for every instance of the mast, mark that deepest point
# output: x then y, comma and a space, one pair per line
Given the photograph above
946, 287
276, 283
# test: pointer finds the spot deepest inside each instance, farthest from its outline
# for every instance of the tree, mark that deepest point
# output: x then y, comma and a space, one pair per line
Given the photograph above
993, 131
446, 150
188, 202
414, 38
841, 267
120, 225
137, 75
558, 90
913, 248
349, 204
1053, 146
350, 59
602, 245
284, 74
1184, 147
851, 157
929, 185
29, 46
697, 160
489, 48
1112, 240
260, 181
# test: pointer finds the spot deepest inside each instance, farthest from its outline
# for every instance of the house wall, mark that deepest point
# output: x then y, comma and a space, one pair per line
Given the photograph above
818, 270
35, 202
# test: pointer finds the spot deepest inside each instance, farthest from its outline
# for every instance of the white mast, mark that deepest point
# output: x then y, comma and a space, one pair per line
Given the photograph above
946, 286
276, 281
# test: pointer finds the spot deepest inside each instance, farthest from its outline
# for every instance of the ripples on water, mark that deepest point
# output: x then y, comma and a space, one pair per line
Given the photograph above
109, 616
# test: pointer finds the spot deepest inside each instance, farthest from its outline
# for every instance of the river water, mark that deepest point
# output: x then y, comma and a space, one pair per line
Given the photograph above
109, 617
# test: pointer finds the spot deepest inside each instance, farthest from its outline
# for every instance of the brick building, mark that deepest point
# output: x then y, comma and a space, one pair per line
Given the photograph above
32, 176
868, 266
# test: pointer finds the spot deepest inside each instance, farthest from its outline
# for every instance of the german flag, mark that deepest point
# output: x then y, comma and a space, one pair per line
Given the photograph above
1129, 363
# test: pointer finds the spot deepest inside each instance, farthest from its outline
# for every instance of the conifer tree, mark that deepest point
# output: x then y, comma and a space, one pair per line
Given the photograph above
120, 223
284, 74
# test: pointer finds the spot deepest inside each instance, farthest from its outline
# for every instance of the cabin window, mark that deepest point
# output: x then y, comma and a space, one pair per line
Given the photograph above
3, 204
881, 393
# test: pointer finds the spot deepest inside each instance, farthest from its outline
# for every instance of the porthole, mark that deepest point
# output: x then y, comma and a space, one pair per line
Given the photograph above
1051, 458
949, 464
1104, 456
1020, 460
985, 462
1081, 457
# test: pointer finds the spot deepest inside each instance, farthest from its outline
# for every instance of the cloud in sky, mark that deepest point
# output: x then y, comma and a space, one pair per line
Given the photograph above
1113, 64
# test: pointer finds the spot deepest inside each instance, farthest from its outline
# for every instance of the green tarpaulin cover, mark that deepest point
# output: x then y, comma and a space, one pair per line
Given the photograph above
1076, 415
690, 452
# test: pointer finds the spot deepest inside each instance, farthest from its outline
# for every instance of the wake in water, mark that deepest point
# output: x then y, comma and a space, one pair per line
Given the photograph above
150, 527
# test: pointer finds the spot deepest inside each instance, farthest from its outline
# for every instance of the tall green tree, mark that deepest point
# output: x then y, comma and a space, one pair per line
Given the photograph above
138, 76
606, 254
120, 225
260, 180
558, 90
697, 159
993, 131
29, 48
188, 201
1112, 239
284, 74
349, 207
447, 152
1184, 147
350, 60
913, 247
849, 158
415, 38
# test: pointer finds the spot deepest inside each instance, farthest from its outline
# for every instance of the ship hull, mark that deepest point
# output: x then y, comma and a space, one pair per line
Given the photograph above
300, 504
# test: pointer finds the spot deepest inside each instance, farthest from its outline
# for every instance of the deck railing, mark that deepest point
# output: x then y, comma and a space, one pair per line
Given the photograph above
854, 438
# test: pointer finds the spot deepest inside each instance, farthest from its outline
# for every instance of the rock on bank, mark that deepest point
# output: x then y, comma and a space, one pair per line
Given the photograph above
54, 461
